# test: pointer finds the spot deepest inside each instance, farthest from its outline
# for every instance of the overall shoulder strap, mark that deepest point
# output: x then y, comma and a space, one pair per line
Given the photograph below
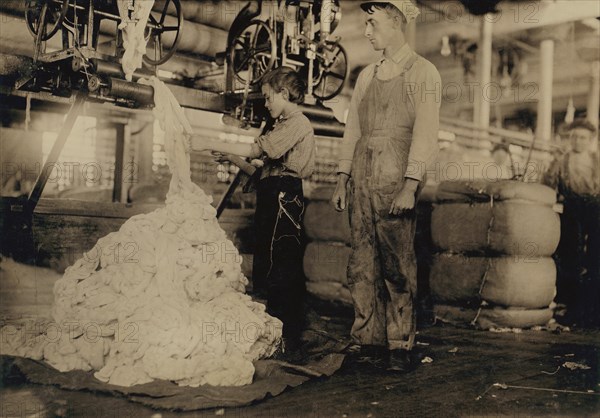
411, 61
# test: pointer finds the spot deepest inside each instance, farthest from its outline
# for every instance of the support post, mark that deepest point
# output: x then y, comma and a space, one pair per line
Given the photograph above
119, 163
593, 102
484, 73
59, 144
143, 139
237, 180
546, 78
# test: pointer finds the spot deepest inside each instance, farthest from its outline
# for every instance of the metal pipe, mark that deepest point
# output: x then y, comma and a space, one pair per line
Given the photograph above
320, 112
122, 89
327, 129
114, 69
106, 15
195, 37
13, 66
327, 16
219, 14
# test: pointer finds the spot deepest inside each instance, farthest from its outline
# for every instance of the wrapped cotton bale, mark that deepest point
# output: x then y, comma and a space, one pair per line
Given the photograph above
509, 227
507, 281
485, 191
26, 291
323, 223
320, 193
488, 318
326, 262
330, 292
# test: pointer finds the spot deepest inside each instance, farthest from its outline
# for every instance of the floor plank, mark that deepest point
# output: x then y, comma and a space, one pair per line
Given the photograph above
456, 383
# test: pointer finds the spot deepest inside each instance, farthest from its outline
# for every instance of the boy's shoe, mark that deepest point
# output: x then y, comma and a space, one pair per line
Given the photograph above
369, 353
292, 343
289, 351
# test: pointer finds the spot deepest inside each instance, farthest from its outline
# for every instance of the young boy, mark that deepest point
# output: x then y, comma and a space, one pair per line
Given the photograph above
288, 151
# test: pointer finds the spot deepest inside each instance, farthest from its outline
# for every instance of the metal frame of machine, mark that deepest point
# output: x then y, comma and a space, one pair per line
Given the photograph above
300, 37
80, 64
80, 67
298, 34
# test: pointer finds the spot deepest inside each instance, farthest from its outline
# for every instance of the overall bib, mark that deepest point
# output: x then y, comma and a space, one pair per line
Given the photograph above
382, 272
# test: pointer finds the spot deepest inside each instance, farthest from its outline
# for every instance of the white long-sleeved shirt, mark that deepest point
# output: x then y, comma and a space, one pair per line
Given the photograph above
425, 95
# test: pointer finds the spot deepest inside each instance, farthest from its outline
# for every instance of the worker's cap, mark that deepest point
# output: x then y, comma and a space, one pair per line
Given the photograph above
406, 7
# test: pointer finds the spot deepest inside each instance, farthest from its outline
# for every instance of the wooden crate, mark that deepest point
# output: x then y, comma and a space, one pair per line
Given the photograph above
62, 229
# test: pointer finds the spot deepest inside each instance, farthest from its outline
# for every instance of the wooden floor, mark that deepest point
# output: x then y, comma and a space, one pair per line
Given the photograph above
459, 382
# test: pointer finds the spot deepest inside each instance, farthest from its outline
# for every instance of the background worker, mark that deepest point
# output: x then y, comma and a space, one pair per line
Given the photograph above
576, 177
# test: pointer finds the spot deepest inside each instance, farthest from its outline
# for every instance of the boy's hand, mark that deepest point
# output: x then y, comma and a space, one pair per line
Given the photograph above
257, 163
220, 157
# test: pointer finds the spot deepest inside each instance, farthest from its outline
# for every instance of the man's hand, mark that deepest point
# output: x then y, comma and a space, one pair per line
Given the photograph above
339, 195
404, 200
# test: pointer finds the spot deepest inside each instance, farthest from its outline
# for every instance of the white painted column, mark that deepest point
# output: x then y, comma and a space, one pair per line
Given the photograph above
546, 79
484, 72
593, 102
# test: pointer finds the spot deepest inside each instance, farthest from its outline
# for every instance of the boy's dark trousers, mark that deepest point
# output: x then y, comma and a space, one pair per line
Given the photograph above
277, 271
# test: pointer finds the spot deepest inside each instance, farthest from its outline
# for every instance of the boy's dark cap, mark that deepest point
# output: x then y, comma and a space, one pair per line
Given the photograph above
583, 124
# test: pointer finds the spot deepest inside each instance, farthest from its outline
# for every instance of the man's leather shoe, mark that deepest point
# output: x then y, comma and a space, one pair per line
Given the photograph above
371, 355
401, 361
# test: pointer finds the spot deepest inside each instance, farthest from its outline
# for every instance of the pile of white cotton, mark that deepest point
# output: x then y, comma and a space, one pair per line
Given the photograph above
162, 298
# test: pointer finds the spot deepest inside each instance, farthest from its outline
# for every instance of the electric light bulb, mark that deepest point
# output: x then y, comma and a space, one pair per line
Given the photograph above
570, 116
505, 81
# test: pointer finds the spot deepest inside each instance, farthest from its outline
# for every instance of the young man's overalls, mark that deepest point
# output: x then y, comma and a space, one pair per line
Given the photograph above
382, 272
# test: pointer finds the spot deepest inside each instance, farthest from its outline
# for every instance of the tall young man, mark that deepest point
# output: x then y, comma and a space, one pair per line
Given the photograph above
390, 142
